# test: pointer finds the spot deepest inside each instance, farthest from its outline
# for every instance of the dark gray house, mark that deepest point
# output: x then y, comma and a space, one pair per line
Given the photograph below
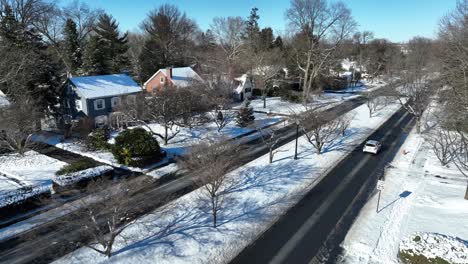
95, 97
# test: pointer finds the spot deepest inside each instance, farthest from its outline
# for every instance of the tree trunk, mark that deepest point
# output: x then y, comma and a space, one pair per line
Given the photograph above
264, 101
418, 125
271, 155
466, 192
215, 218
165, 134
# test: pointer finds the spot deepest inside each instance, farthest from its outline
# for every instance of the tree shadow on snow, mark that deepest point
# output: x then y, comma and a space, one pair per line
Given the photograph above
190, 223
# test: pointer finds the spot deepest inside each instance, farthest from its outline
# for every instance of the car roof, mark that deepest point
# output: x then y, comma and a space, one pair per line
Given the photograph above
374, 142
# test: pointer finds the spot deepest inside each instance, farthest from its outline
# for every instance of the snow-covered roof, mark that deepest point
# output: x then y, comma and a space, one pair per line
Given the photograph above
3, 100
181, 77
242, 82
105, 85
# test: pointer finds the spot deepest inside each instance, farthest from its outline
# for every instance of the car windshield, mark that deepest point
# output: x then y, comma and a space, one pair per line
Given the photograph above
370, 145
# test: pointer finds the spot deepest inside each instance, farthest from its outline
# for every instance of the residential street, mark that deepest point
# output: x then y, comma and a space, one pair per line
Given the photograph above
299, 235
48, 241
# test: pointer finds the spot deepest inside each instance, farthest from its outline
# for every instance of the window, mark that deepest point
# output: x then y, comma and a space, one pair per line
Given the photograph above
99, 104
100, 121
115, 101
78, 105
131, 99
248, 90
161, 79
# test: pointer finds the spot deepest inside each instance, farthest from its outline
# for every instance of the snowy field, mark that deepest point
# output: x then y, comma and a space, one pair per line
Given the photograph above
420, 197
258, 193
22, 177
277, 106
176, 146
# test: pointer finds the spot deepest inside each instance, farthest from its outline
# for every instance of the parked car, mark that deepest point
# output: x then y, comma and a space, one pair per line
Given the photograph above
372, 146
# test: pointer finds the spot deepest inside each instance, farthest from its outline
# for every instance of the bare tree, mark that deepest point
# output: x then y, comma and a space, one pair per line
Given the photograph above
454, 61
361, 40
344, 122
101, 221
416, 75
442, 142
209, 165
321, 27
169, 107
228, 35
17, 125
222, 118
373, 102
271, 141
319, 131
267, 64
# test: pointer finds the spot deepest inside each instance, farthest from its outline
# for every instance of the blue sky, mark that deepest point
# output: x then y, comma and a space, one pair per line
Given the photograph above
397, 20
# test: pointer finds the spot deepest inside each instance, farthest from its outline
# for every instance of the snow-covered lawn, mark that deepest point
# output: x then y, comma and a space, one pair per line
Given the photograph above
176, 146
275, 105
25, 176
420, 196
259, 193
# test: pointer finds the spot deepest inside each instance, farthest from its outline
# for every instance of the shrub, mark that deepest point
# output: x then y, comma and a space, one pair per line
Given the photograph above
97, 140
290, 95
245, 115
79, 165
408, 257
417, 239
136, 147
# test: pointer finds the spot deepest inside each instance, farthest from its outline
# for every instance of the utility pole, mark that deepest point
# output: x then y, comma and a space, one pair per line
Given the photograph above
297, 137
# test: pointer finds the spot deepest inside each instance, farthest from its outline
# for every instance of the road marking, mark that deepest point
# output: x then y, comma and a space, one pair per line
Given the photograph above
289, 246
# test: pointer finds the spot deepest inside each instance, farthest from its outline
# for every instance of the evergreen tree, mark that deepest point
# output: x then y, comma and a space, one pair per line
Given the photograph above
170, 40
106, 51
245, 115
278, 43
95, 62
30, 72
266, 40
252, 31
73, 53
113, 45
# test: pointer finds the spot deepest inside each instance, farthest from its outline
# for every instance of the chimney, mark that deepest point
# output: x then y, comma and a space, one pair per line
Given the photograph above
169, 73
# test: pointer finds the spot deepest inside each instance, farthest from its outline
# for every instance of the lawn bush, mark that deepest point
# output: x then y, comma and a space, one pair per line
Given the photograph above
97, 140
79, 165
290, 95
407, 257
245, 115
136, 147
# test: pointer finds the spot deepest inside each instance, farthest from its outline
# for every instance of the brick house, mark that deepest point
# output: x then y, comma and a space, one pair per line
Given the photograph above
171, 77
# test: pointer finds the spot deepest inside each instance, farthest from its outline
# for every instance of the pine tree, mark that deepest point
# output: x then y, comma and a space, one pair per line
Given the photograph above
73, 53
95, 62
25, 57
113, 45
245, 115
252, 30
278, 43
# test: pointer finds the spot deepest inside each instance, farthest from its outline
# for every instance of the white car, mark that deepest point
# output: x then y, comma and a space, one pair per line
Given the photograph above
372, 146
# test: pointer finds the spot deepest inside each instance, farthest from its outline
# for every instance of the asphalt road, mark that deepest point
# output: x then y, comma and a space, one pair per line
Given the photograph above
303, 230
50, 241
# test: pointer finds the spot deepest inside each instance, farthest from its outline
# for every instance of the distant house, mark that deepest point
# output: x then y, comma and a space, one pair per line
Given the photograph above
242, 87
95, 97
3, 100
171, 77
